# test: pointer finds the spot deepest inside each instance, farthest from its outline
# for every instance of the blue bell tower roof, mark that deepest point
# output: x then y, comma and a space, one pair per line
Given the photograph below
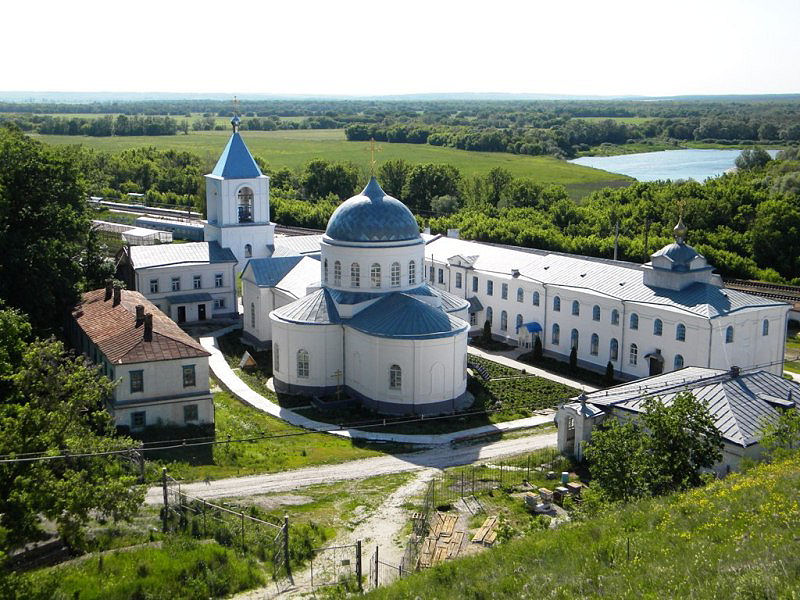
372, 216
236, 162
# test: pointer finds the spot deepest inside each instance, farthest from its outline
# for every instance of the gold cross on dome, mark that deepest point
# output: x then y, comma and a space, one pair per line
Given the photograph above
235, 106
373, 149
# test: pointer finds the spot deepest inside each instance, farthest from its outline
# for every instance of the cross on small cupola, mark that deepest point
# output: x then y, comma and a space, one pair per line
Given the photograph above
235, 120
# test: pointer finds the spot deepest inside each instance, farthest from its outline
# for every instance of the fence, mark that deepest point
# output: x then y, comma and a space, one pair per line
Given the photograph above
334, 565
384, 573
230, 527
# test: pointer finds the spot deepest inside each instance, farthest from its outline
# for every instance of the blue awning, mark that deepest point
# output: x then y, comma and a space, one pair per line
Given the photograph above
532, 327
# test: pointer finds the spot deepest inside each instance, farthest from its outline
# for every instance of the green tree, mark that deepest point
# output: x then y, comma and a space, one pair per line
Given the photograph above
537, 348
427, 181
322, 177
44, 229
497, 182
617, 457
444, 205
782, 436
775, 235
392, 176
55, 402
752, 158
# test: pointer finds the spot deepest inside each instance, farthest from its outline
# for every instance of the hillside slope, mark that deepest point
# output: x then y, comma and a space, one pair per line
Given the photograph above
736, 538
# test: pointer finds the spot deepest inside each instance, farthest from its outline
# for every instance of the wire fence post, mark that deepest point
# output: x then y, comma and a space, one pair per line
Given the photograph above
205, 527
242, 515
375, 578
358, 565
166, 498
286, 546
528, 470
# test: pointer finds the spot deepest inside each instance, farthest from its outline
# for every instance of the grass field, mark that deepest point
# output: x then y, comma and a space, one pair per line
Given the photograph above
294, 148
734, 538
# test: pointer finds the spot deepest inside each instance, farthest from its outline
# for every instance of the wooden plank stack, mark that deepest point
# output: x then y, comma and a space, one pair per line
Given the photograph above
486, 535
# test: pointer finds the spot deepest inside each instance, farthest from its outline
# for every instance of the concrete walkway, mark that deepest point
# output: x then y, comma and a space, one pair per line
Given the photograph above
506, 360
231, 381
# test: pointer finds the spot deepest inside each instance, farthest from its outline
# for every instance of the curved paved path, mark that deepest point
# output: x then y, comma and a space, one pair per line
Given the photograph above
231, 381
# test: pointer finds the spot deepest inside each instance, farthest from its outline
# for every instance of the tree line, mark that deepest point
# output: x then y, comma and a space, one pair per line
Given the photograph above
108, 125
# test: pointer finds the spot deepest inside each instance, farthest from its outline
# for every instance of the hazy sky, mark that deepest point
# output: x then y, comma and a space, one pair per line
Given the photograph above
357, 47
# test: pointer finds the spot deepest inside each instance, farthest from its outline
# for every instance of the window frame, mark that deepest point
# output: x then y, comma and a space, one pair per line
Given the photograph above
188, 409
176, 284
136, 375
303, 364
355, 275
189, 375
154, 286
394, 274
337, 273
395, 378
219, 280
520, 295
197, 282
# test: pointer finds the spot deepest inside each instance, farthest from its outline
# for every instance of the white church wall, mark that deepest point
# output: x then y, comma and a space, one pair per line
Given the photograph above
749, 346
324, 346
384, 255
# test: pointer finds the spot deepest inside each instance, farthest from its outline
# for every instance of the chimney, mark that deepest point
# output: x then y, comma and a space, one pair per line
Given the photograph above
117, 294
109, 290
139, 314
148, 327
734, 372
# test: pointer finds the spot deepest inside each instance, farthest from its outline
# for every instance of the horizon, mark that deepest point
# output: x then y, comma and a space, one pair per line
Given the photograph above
611, 51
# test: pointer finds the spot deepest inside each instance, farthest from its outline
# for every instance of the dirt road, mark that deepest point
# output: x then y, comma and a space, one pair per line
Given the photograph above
439, 458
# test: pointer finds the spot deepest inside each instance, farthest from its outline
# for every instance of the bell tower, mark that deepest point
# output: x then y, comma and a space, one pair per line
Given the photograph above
237, 203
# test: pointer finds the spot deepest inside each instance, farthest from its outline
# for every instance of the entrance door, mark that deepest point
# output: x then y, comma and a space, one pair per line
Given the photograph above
181, 314
201, 312
656, 366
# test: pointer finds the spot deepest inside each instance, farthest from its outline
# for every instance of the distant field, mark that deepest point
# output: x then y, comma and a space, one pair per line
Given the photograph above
294, 148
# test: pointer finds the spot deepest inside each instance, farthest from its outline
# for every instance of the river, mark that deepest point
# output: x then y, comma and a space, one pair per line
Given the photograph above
689, 163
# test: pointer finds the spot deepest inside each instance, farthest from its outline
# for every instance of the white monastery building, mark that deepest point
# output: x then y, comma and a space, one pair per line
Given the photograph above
368, 321
162, 372
645, 319
197, 281
740, 403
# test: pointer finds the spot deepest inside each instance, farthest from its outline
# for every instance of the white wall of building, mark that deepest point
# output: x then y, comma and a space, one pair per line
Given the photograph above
162, 379
323, 344
382, 254
165, 413
257, 303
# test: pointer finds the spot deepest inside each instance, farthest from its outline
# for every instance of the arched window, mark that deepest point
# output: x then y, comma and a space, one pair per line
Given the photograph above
519, 323
276, 357
245, 201
503, 320
576, 308
325, 271
302, 364
489, 287
458, 280
396, 274
337, 273
678, 362
355, 275
680, 332
765, 327
520, 295
395, 377
613, 350
634, 321
248, 251
536, 298
634, 354
556, 336
489, 314
615, 317
658, 327
729, 335
412, 273
594, 347
557, 304
375, 275
595, 313
573, 339
252, 315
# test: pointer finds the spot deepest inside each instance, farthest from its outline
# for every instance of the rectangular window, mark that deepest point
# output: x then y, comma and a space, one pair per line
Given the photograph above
137, 381
431, 273
176, 284
489, 288
138, 420
188, 376
474, 284
441, 275
219, 303
504, 291
154, 286
218, 280
190, 413
197, 282
473, 319
458, 280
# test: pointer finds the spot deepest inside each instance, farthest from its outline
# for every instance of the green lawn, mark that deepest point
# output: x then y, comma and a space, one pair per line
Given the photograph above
259, 456
294, 148
735, 538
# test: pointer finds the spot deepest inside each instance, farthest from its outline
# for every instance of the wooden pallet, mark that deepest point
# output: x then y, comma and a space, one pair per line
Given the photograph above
486, 531
426, 555
439, 555
454, 547
443, 524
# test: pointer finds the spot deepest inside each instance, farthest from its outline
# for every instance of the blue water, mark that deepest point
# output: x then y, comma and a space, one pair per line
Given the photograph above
669, 164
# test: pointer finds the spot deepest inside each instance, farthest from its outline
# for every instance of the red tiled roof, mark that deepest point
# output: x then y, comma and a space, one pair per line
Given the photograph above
113, 329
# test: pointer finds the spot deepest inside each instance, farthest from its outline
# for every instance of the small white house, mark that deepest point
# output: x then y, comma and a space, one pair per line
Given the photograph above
162, 373
189, 282
741, 403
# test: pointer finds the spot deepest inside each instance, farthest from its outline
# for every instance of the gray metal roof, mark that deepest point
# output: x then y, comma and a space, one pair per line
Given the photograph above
621, 280
163, 255
450, 302
315, 309
189, 298
739, 405
298, 244
267, 272
401, 316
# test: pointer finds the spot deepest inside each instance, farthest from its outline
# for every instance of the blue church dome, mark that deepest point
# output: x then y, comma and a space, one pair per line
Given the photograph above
372, 216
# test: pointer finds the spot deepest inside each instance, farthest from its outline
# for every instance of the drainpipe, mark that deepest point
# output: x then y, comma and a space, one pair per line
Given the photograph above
544, 320
710, 337
621, 356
